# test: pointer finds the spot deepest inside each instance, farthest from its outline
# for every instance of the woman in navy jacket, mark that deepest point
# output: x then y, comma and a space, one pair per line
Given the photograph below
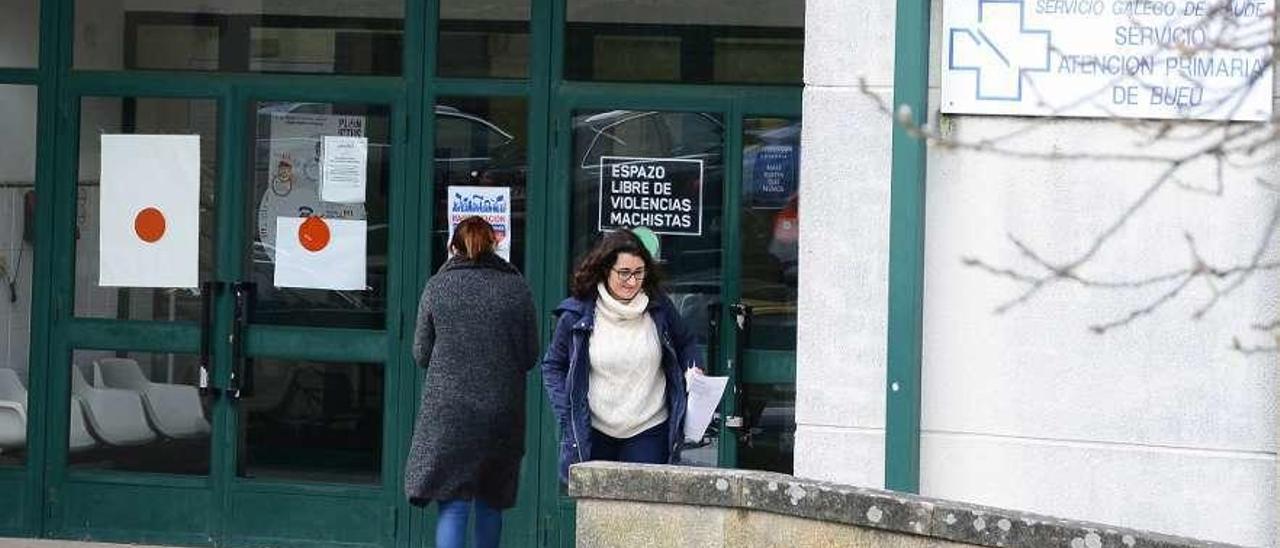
614, 372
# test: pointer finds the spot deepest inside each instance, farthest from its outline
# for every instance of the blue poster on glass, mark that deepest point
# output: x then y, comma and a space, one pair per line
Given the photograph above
773, 177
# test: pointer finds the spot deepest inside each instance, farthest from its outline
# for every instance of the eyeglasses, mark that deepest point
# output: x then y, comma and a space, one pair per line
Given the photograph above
627, 275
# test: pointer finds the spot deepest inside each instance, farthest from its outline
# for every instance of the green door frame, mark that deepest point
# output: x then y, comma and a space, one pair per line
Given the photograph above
906, 250
22, 514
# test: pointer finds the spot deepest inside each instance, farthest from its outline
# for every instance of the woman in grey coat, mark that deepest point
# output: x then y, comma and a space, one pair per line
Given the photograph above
477, 339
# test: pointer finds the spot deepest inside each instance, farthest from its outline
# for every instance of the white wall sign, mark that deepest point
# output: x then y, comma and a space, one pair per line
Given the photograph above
319, 253
150, 204
1163, 59
663, 194
342, 172
492, 203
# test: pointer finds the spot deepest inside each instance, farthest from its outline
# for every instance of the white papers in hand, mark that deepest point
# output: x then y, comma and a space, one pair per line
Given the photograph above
704, 396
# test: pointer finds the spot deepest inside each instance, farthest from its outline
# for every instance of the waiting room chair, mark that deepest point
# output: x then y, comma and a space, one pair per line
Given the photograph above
78, 438
13, 417
174, 410
13, 411
115, 416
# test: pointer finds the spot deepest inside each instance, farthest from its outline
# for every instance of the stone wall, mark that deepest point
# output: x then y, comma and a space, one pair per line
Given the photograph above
636, 505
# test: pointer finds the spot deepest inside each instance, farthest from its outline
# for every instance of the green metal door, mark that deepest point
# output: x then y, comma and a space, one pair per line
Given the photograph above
314, 416
292, 431
730, 269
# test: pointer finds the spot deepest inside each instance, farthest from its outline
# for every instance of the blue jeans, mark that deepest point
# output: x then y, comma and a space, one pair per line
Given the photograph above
649, 446
451, 527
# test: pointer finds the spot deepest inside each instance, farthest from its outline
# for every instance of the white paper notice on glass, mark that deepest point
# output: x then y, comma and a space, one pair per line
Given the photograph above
493, 203
149, 227
319, 253
704, 397
343, 160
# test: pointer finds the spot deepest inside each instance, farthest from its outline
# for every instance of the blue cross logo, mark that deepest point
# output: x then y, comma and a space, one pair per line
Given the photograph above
999, 49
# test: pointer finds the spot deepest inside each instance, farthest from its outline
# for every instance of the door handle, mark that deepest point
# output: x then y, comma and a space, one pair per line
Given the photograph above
742, 314
732, 419
713, 337
208, 291
241, 382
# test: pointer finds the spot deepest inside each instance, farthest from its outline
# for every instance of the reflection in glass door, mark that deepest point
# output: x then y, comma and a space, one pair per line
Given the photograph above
287, 163
481, 142
17, 249
747, 327
130, 410
683, 150
137, 434
316, 256
663, 170
101, 116
312, 421
769, 236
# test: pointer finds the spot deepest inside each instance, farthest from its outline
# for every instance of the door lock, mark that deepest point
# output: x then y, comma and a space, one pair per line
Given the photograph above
206, 384
742, 316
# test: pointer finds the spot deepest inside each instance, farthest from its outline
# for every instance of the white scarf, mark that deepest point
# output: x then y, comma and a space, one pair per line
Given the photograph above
618, 311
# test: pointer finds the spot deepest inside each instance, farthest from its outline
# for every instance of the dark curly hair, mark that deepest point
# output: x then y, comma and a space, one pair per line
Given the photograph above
594, 267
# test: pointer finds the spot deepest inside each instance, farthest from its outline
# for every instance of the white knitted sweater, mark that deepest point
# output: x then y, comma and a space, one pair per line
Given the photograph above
626, 391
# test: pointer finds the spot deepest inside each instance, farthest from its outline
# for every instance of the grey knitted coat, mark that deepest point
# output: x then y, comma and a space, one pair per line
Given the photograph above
477, 338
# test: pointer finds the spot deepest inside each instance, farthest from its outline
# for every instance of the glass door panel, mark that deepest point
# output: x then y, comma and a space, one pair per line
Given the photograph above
481, 142
316, 257
681, 157
683, 150
483, 39
130, 414
243, 36
17, 241
312, 421
287, 171
138, 412
769, 237
101, 116
677, 41
19, 33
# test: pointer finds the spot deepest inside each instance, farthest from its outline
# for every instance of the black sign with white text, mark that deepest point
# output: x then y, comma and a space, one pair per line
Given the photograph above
663, 194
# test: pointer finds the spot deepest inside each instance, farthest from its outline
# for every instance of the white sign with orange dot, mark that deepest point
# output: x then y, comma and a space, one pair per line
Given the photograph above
319, 253
149, 228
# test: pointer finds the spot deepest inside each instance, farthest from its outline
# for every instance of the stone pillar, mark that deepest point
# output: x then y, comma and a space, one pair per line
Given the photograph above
844, 241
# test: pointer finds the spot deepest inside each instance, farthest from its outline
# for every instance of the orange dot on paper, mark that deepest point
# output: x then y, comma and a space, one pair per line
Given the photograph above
149, 225
313, 234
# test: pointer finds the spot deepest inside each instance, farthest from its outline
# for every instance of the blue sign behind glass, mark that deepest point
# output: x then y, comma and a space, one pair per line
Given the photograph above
773, 177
